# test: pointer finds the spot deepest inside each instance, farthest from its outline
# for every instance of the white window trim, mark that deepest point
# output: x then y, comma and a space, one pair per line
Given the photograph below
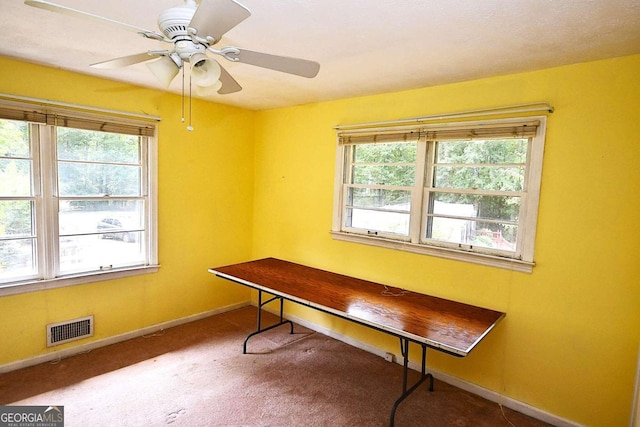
41, 136
441, 252
528, 223
16, 288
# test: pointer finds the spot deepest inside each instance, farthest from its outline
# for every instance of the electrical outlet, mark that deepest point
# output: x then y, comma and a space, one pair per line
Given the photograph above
389, 357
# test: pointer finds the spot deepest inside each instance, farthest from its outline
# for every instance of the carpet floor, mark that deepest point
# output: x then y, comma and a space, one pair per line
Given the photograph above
196, 375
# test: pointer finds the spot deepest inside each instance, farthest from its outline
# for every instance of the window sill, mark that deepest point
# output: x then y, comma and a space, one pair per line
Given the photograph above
59, 282
482, 259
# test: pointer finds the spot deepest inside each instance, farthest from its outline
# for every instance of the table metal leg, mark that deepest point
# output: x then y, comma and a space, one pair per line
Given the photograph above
260, 328
404, 349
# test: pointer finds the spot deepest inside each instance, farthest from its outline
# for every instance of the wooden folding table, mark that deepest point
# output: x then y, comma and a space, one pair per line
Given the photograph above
448, 326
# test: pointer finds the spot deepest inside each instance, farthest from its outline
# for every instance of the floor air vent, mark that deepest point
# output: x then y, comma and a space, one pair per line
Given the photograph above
71, 330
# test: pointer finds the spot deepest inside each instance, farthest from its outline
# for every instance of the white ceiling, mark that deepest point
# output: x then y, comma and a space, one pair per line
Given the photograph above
363, 46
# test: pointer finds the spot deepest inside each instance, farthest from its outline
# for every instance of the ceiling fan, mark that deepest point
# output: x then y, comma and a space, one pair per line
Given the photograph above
194, 30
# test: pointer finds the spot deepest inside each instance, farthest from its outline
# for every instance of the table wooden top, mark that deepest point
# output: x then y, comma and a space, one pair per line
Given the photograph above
449, 326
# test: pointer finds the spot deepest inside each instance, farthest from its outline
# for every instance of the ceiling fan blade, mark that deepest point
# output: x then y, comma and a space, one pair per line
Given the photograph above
215, 17
80, 14
229, 84
124, 61
297, 66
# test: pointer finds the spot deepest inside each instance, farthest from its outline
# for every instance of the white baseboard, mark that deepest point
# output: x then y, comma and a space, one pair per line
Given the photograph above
83, 348
449, 379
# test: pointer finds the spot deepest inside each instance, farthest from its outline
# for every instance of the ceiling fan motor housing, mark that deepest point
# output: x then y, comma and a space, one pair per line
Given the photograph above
174, 21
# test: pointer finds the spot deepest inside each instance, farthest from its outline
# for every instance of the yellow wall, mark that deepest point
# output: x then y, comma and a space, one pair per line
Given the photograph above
204, 211
570, 339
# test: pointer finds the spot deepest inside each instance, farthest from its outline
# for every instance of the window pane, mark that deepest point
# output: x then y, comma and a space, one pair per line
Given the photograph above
384, 175
94, 146
379, 198
15, 177
492, 235
480, 177
492, 151
95, 179
17, 259
397, 152
101, 235
15, 163
469, 229
502, 208
474, 233
14, 139
94, 253
16, 218
374, 221
118, 217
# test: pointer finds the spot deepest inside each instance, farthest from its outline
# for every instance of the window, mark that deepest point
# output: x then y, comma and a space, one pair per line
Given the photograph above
467, 190
76, 196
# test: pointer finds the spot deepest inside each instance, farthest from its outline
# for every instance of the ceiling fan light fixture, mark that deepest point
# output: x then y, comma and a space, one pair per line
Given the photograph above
165, 69
205, 71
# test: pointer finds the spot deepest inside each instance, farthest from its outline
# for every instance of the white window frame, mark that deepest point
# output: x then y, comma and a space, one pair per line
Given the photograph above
522, 261
44, 167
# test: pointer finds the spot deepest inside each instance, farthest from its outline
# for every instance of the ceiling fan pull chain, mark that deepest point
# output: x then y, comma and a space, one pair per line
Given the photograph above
189, 128
182, 95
